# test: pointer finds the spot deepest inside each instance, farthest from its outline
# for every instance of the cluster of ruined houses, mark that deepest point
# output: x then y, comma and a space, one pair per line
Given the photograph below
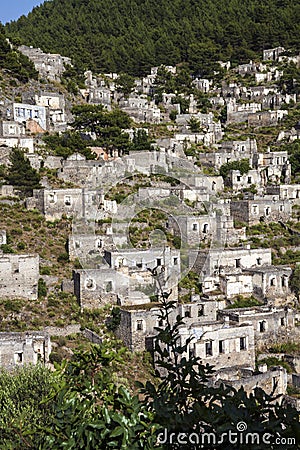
116, 273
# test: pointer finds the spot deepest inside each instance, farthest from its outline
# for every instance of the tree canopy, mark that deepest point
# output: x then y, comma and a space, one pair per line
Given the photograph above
105, 126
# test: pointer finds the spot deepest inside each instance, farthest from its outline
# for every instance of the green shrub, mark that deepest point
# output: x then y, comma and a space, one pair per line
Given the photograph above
6, 248
242, 302
273, 361
13, 305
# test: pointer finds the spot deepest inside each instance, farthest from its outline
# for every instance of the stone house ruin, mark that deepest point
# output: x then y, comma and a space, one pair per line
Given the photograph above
194, 230
264, 283
273, 381
221, 343
19, 275
23, 112
50, 66
239, 112
270, 324
285, 191
271, 282
272, 54
229, 151
54, 103
94, 288
78, 203
266, 118
92, 245
137, 326
268, 209
238, 181
213, 342
210, 262
125, 278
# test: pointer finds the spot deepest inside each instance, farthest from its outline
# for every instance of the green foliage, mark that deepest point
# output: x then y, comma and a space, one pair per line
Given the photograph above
173, 115
194, 125
21, 395
294, 156
290, 81
21, 246
85, 405
125, 84
191, 282
183, 102
73, 78
21, 174
244, 302
45, 270
63, 257
140, 141
13, 305
68, 143
92, 410
6, 248
114, 36
273, 361
182, 402
285, 347
3, 171
242, 165
107, 126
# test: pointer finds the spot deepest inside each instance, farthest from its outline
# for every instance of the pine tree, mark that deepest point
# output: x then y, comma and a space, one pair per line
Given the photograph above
21, 174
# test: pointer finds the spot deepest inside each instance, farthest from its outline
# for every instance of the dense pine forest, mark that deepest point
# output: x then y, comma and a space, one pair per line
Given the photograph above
133, 35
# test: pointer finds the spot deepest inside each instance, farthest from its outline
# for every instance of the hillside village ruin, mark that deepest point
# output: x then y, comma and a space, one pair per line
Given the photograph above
213, 217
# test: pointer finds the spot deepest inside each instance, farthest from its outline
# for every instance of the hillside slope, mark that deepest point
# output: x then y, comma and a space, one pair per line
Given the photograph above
132, 35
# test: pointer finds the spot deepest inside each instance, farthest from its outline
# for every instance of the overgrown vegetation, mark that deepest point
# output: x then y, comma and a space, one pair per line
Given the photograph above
242, 165
244, 302
21, 175
273, 361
